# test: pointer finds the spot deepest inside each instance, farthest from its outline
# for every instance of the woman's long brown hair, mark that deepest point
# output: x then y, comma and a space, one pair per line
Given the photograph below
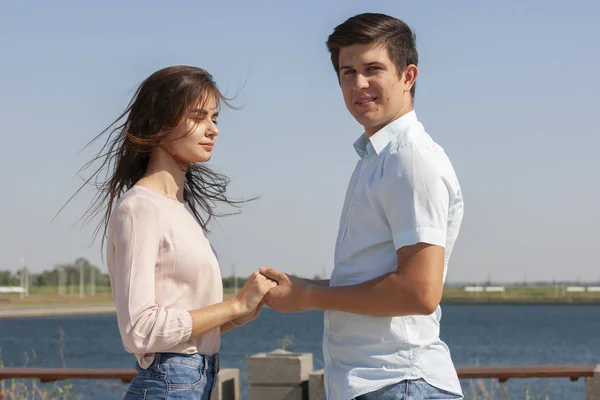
157, 108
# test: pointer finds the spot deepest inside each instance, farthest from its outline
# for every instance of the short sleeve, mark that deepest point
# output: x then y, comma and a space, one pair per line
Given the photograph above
414, 197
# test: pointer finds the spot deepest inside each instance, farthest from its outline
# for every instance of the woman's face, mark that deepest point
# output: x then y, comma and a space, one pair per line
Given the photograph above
195, 140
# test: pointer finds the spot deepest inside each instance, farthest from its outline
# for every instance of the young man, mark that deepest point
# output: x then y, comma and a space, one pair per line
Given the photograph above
399, 223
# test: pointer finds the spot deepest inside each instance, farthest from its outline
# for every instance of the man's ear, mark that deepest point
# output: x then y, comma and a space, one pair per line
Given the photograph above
409, 77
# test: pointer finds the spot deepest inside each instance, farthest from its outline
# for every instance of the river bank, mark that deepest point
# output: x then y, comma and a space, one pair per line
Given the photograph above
49, 311
55, 311
40, 305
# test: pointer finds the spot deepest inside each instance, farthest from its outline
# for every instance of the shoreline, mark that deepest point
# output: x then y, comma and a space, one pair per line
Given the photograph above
104, 309
508, 302
58, 311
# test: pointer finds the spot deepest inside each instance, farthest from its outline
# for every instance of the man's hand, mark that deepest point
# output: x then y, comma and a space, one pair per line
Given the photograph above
290, 295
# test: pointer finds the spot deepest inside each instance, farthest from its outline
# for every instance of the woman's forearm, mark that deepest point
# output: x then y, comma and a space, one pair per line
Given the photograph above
218, 315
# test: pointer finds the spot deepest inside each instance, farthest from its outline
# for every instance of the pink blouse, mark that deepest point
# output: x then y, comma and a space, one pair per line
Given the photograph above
161, 265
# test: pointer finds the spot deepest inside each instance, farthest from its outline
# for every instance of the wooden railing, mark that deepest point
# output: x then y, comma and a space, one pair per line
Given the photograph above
502, 373
58, 374
227, 386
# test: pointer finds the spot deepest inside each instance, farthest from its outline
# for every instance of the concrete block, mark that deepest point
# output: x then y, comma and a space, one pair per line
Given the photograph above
592, 386
227, 385
295, 392
316, 385
279, 367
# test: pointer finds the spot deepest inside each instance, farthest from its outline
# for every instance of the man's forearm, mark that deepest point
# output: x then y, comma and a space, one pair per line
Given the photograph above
319, 282
387, 296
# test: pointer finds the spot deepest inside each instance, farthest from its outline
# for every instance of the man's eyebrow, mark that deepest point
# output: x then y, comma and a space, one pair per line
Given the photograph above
366, 65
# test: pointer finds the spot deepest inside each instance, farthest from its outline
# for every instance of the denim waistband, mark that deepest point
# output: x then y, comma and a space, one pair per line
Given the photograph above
201, 361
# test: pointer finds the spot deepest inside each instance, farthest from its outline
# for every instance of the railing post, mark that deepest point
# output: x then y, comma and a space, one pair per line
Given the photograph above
279, 375
592, 385
227, 385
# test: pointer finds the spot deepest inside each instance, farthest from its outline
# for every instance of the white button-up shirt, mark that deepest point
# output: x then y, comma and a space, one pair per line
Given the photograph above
403, 191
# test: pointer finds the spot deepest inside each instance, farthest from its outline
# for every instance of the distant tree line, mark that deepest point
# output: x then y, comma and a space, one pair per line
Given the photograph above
71, 276
51, 277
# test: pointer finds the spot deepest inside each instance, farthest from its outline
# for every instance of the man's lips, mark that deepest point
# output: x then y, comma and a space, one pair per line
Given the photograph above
365, 100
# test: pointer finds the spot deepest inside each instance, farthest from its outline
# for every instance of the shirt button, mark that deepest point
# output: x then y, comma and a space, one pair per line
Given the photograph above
367, 163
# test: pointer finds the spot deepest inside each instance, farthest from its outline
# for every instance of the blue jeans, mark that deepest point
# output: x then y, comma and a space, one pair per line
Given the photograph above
175, 376
416, 389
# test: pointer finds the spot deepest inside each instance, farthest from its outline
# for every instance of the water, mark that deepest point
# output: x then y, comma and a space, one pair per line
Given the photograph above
476, 334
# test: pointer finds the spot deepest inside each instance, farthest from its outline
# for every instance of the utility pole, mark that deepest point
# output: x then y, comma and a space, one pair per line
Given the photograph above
93, 279
62, 280
24, 278
81, 293
235, 281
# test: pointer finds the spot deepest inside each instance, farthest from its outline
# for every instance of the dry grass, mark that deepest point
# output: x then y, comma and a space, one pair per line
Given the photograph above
48, 300
493, 390
19, 389
515, 294
51, 300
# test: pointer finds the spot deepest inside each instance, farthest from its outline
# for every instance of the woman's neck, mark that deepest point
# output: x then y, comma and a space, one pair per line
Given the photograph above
164, 175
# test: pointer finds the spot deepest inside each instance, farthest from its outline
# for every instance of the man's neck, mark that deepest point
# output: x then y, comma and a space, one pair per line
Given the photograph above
370, 131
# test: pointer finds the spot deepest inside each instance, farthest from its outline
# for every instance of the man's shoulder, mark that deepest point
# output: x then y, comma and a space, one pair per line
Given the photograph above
413, 153
417, 154
414, 137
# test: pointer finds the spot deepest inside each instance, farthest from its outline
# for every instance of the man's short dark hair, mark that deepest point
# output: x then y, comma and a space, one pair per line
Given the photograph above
392, 33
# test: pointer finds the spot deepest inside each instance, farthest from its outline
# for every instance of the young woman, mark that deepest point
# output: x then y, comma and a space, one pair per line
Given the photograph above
158, 199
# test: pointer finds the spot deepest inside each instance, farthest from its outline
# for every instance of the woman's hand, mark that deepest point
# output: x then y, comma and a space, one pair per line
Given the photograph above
250, 296
248, 317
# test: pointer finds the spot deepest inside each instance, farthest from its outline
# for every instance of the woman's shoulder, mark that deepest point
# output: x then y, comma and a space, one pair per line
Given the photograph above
135, 201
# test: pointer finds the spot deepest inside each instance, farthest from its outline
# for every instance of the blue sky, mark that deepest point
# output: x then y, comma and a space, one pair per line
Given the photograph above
510, 90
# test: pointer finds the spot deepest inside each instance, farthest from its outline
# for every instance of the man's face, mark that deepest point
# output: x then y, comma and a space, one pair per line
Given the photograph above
374, 92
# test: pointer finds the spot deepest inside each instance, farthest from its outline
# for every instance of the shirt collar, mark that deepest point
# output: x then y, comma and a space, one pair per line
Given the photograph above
365, 145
